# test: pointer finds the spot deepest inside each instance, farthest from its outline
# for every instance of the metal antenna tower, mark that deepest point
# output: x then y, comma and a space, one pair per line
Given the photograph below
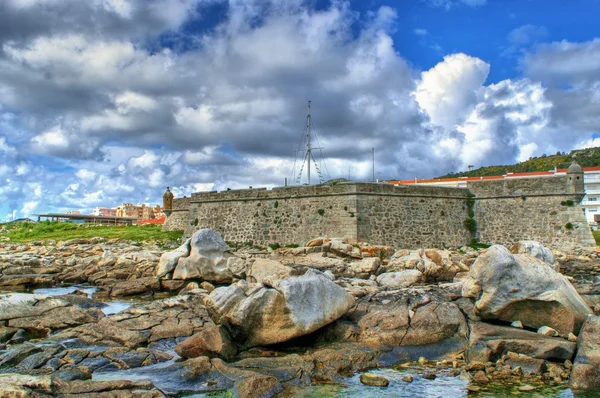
308, 157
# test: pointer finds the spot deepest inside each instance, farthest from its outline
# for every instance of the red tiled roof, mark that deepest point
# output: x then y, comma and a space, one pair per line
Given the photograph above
159, 221
508, 175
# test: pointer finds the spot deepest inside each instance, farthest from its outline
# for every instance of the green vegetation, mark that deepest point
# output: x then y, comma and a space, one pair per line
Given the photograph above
46, 230
274, 246
569, 225
321, 212
567, 203
469, 222
276, 204
597, 237
585, 157
292, 245
471, 225
475, 244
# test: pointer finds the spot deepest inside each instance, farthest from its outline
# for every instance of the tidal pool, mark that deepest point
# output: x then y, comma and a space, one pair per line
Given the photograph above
443, 385
110, 307
60, 291
170, 377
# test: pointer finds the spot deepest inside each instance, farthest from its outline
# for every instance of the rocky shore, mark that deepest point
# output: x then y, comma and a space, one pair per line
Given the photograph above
273, 322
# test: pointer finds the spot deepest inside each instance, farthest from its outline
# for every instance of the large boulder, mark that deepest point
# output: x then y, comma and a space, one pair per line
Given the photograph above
295, 307
207, 259
519, 287
211, 341
268, 272
395, 324
489, 342
535, 249
197, 266
400, 279
207, 243
586, 368
168, 260
39, 314
434, 264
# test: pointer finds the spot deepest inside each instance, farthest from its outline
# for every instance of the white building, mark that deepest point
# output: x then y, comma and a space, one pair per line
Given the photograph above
591, 200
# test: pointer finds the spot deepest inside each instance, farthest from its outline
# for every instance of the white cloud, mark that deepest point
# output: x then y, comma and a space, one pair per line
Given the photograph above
49, 140
4, 147
86, 175
449, 90
110, 116
564, 62
28, 208
527, 34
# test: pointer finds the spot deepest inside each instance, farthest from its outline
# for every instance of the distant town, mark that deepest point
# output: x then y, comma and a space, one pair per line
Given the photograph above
144, 214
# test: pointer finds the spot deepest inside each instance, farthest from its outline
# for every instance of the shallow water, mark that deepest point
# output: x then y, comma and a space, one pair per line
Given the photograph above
443, 386
60, 291
168, 377
110, 307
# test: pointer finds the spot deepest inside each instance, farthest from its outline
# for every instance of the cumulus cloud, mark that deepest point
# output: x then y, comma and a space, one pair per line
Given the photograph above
449, 90
564, 62
112, 114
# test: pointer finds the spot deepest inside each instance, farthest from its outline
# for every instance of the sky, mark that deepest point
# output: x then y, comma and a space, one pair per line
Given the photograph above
111, 101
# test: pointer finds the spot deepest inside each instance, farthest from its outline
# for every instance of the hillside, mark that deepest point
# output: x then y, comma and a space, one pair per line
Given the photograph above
585, 157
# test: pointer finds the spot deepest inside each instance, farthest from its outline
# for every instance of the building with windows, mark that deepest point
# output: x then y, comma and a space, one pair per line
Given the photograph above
591, 200
141, 212
104, 212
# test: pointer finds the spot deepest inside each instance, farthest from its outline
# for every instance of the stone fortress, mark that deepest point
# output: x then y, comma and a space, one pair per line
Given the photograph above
545, 209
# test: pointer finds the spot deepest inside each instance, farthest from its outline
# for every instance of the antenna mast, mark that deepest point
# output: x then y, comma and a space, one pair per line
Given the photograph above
308, 156
308, 148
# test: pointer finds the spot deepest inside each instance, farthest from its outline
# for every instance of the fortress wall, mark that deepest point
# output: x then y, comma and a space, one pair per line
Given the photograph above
406, 216
179, 218
510, 210
286, 215
412, 216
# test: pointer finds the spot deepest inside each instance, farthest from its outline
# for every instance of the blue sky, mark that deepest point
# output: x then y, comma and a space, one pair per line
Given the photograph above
110, 101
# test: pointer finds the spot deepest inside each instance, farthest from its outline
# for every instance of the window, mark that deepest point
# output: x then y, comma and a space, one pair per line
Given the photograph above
593, 210
593, 199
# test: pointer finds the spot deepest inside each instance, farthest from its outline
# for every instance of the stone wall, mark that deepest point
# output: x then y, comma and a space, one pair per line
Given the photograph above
414, 216
378, 213
510, 210
179, 218
288, 215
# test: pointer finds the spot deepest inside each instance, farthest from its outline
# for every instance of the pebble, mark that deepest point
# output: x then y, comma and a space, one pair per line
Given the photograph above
547, 331
475, 365
480, 377
370, 379
429, 375
474, 388
408, 378
517, 324
526, 387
